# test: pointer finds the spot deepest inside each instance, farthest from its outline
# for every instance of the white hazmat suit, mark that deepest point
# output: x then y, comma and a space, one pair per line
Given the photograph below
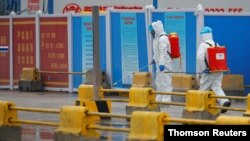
163, 61
209, 80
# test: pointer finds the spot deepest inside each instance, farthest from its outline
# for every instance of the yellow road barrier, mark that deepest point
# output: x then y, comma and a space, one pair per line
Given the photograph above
73, 120
86, 92
142, 79
115, 90
54, 72
108, 115
228, 97
169, 103
199, 101
146, 125
33, 122
6, 113
197, 105
228, 108
41, 110
141, 98
247, 113
232, 120
151, 92
97, 127
220, 120
189, 121
247, 98
116, 100
169, 93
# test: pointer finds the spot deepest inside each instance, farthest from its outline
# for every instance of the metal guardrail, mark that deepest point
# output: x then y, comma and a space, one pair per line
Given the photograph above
54, 72
116, 100
115, 90
229, 97
40, 110
169, 93
169, 103
33, 122
180, 103
228, 108
108, 115
189, 121
97, 127
56, 111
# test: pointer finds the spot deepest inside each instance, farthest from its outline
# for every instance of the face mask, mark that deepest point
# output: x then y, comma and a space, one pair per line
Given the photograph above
152, 33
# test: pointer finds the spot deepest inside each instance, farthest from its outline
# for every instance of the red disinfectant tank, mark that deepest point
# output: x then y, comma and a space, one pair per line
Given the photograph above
174, 43
217, 58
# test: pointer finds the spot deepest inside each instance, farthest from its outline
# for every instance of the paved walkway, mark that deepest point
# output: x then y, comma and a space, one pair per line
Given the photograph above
56, 100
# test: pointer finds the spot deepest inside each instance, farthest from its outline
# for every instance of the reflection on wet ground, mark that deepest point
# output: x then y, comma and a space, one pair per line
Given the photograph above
44, 133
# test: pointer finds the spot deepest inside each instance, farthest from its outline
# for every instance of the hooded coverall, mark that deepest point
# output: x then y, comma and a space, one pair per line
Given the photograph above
161, 47
209, 81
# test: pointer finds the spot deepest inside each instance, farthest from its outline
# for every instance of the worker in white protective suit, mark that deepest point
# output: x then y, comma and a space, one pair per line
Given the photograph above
162, 60
209, 80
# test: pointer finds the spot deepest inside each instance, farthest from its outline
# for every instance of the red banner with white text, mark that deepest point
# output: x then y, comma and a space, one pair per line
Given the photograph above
54, 51
24, 47
4, 52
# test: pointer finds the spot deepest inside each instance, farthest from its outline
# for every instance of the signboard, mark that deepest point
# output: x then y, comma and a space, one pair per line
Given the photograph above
176, 22
128, 47
4, 53
184, 24
33, 6
23, 45
83, 46
54, 50
72, 8
87, 44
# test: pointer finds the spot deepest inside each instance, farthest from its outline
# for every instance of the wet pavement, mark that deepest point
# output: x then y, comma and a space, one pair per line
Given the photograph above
55, 100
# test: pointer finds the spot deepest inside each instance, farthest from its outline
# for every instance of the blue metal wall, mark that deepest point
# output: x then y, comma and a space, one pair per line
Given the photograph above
232, 32
116, 46
191, 42
190, 38
50, 6
77, 49
77, 39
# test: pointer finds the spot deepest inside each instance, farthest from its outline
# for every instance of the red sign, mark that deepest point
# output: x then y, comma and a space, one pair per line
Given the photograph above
4, 56
24, 48
54, 50
72, 7
33, 6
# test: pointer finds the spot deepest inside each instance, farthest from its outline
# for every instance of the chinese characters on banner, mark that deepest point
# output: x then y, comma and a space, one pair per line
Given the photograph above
176, 22
129, 47
54, 50
23, 45
4, 52
87, 44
